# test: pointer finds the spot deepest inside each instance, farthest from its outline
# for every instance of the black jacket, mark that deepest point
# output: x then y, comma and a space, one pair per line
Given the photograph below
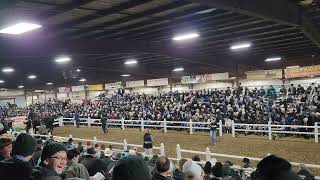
178, 175
15, 169
94, 165
157, 176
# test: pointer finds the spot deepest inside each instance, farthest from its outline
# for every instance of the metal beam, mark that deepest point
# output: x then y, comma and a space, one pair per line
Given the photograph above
310, 30
4, 4
282, 11
146, 13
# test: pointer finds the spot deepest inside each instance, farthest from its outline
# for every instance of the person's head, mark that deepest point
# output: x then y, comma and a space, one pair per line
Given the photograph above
273, 167
196, 158
5, 146
217, 169
181, 162
73, 154
24, 145
54, 157
207, 168
91, 152
192, 170
131, 168
246, 161
163, 166
147, 130
302, 166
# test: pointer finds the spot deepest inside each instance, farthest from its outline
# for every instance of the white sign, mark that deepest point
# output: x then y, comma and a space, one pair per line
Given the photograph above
115, 85
130, 84
64, 89
77, 88
218, 76
158, 82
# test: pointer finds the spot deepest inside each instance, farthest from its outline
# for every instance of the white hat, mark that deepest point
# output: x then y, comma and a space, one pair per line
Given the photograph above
190, 168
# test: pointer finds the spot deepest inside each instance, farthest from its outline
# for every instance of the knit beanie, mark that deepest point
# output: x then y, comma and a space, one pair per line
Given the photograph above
131, 168
50, 149
25, 145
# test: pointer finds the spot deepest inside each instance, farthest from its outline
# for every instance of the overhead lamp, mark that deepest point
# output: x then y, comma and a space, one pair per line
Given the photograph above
20, 28
125, 75
185, 36
78, 70
62, 59
240, 46
273, 59
131, 61
1, 81
82, 80
49, 83
291, 67
32, 77
20, 87
178, 69
206, 11
7, 70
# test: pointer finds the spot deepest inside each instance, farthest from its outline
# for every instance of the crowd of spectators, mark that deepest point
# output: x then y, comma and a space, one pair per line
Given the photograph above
289, 106
26, 158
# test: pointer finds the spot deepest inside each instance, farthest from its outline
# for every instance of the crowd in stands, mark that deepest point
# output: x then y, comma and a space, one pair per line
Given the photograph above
25, 158
290, 106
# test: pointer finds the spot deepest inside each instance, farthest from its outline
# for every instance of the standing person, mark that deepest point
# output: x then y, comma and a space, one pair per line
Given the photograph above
147, 143
213, 130
104, 123
77, 118
29, 120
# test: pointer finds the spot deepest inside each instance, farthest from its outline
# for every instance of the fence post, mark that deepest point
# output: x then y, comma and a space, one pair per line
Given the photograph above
178, 151
162, 152
60, 122
316, 133
269, 130
74, 122
89, 123
94, 140
70, 136
122, 124
220, 128
142, 125
191, 126
125, 145
165, 126
208, 157
233, 129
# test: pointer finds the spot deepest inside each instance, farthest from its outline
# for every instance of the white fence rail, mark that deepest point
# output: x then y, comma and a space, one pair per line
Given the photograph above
208, 154
192, 126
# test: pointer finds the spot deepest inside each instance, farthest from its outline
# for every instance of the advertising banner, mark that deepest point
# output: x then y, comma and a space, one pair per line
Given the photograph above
18, 122
130, 84
264, 74
302, 71
194, 79
218, 76
77, 88
64, 89
158, 82
95, 87
115, 85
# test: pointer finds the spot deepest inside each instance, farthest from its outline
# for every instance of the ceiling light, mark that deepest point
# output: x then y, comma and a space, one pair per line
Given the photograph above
20, 28
178, 69
49, 83
131, 61
32, 77
1, 81
7, 70
125, 75
82, 80
185, 36
206, 11
62, 59
273, 59
20, 87
78, 70
291, 67
240, 46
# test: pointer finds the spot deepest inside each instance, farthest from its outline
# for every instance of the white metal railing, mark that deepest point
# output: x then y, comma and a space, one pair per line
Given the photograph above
208, 154
235, 127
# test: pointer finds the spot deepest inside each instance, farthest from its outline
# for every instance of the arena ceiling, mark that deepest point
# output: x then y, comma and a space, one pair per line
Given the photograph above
100, 35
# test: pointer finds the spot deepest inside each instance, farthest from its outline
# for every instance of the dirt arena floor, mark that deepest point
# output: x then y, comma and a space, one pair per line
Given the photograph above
290, 148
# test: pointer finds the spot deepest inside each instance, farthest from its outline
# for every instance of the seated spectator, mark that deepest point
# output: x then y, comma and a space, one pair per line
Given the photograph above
192, 170
37, 154
177, 173
304, 172
80, 147
207, 171
246, 163
196, 158
5, 147
74, 168
18, 167
92, 163
275, 168
217, 171
53, 160
131, 168
162, 169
